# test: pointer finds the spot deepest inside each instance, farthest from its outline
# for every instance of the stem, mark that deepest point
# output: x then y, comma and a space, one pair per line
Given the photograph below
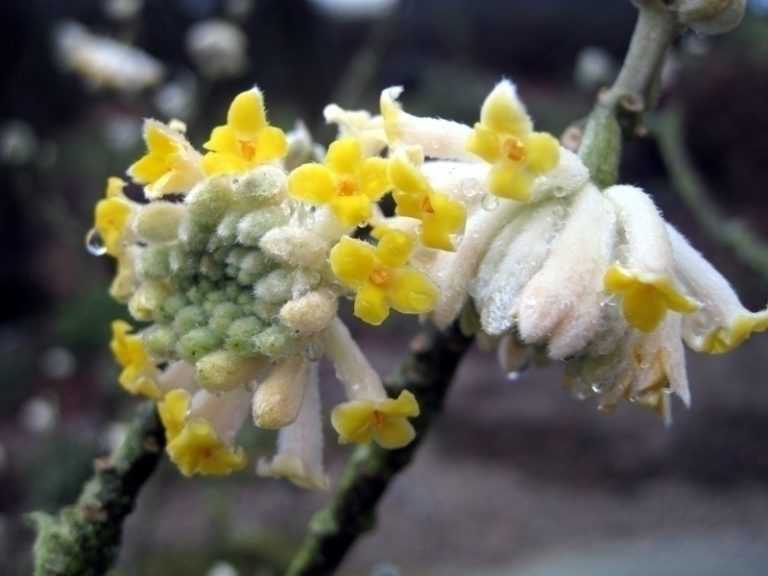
748, 246
619, 110
427, 372
84, 539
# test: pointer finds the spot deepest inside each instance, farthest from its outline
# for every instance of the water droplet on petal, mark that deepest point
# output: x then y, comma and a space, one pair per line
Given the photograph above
489, 202
94, 243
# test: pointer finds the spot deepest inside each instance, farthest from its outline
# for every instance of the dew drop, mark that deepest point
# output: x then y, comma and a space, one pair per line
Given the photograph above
489, 202
94, 243
598, 387
514, 375
559, 192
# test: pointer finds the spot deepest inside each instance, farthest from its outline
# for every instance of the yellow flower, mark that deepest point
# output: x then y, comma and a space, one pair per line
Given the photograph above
198, 450
347, 182
725, 339
170, 165
246, 140
380, 278
112, 215
139, 372
192, 444
440, 215
504, 138
646, 298
383, 421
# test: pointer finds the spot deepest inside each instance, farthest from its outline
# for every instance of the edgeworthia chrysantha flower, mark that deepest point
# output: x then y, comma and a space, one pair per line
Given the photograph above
236, 262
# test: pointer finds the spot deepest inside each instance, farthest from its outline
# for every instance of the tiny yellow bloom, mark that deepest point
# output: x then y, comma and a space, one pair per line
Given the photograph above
504, 138
173, 409
725, 339
380, 278
348, 182
139, 373
646, 299
112, 216
383, 421
246, 140
170, 165
197, 449
440, 215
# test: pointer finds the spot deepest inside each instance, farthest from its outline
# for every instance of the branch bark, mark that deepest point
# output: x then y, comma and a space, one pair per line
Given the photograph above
84, 539
427, 372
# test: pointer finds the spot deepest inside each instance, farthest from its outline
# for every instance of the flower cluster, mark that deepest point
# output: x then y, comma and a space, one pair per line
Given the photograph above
235, 260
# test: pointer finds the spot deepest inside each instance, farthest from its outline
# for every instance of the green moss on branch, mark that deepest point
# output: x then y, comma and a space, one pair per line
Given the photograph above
84, 539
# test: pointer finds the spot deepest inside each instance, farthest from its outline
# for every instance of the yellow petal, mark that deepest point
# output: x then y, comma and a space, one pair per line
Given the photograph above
394, 432
374, 181
394, 247
352, 261
407, 204
405, 177
271, 144
727, 338
198, 450
484, 143
510, 180
173, 412
111, 218
404, 405
223, 140
351, 210
371, 305
411, 292
246, 115
312, 183
344, 155
643, 308
160, 139
353, 421
215, 163
502, 112
617, 279
543, 151
149, 168
115, 187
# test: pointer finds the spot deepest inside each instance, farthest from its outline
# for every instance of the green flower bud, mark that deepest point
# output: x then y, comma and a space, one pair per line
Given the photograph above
276, 341
173, 304
222, 315
261, 186
275, 287
188, 318
254, 225
255, 262
155, 262
212, 269
226, 231
159, 221
160, 340
148, 299
208, 202
241, 334
197, 343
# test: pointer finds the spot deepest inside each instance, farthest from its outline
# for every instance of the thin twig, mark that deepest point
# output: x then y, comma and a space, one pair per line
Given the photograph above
427, 372
743, 242
84, 539
619, 109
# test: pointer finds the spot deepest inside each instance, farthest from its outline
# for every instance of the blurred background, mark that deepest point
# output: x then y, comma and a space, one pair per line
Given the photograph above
517, 478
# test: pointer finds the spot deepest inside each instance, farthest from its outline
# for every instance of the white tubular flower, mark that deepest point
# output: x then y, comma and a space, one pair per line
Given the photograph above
178, 375
562, 302
278, 398
442, 139
104, 62
722, 323
299, 456
310, 314
369, 414
358, 124
295, 246
710, 17
644, 273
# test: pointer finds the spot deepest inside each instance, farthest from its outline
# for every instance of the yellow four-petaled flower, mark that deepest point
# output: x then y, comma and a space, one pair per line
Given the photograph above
440, 215
383, 421
348, 182
380, 277
504, 138
192, 443
247, 140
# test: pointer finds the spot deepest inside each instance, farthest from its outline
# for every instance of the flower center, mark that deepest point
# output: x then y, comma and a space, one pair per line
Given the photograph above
347, 187
379, 276
247, 150
378, 418
514, 149
426, 205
